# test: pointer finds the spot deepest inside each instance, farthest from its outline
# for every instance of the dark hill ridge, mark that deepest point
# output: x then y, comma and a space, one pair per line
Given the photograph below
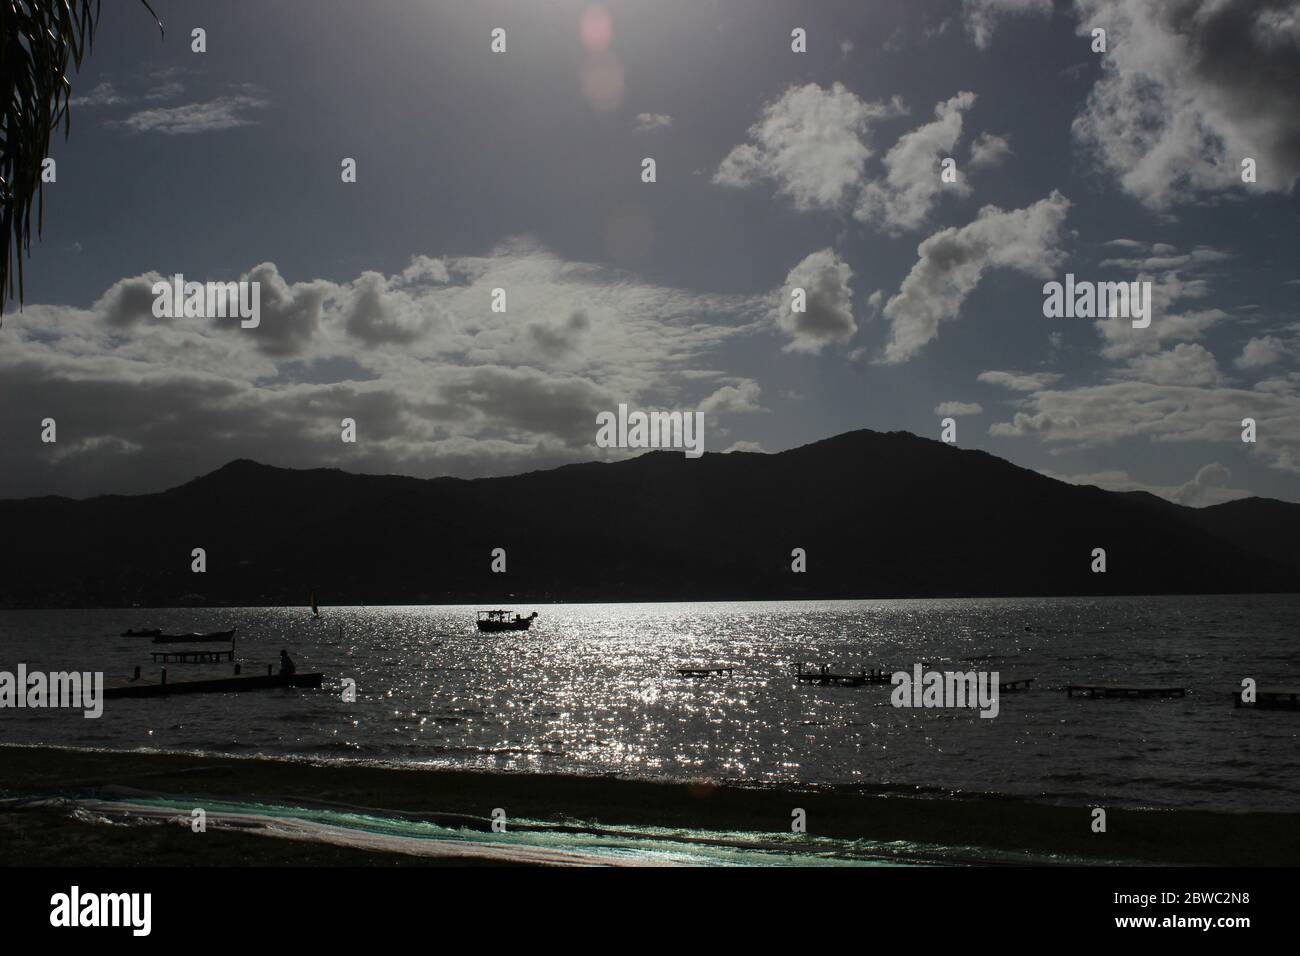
878, 514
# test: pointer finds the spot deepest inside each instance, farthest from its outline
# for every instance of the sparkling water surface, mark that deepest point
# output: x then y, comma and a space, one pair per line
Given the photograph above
593, 689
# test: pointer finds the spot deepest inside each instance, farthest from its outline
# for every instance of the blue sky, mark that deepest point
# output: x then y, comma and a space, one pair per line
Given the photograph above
522, 170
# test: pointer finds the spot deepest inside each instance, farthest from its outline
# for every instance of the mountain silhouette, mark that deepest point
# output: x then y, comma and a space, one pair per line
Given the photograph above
878, 515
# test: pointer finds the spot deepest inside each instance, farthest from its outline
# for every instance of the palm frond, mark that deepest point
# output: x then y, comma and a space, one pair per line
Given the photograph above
41, 43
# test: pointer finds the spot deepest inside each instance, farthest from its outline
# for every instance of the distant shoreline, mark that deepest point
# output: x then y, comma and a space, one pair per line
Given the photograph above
496, 602
974, 829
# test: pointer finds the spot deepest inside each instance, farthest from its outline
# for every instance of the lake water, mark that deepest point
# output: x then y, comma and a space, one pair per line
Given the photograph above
594, 689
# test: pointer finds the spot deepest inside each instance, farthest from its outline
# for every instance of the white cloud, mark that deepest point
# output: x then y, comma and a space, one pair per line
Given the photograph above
953, 261
1262, 352
814, 145
1209, 486
104, 94
221, 113
828, 316
650, 122
1185, 364
1174, 278
1019, 381
1122, 410
437, 382
989, 150
959, 408
811, 142
1188, 89
904, 198
738, 399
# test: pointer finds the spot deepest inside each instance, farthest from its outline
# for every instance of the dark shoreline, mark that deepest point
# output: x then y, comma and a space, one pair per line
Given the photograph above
988, 825
549, 601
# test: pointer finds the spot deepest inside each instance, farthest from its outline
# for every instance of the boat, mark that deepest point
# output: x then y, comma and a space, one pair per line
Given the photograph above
142, 632
494, 622
196, 638
315, 611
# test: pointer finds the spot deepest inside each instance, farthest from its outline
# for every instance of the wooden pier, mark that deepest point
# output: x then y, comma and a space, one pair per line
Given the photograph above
1014, 683
217, 685
706, 671
1271, 698
1123, 690
826, 677
192, 657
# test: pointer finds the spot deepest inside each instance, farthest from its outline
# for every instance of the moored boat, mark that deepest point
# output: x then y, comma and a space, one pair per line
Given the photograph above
493, 622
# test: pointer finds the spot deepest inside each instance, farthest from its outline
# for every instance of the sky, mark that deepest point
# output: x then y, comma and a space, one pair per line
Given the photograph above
775, 169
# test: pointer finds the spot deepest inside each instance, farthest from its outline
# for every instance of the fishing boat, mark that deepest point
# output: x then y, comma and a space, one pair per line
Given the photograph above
142, 632
494, 622
196, 638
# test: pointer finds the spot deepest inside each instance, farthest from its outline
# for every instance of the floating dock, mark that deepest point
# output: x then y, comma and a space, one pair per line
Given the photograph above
192, 657
1123, 690
1271, 698
217, 685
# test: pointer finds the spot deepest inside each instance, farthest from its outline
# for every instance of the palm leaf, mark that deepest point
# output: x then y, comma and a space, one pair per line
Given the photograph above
41, 42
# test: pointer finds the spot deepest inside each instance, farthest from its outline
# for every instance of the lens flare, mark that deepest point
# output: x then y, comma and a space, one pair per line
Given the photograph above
596, 29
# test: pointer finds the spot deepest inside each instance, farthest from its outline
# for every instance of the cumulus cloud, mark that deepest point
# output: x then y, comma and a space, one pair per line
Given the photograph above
1185, 364
989, 150
980, 16
828, 315
740, 398
1188, 89
129, 301
953, 261
911, 186
1261, 352
437, 382
814, 144
291, 314
811, 143
378, 314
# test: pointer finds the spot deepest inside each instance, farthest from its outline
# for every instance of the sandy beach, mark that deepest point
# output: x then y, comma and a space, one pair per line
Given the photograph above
62, 807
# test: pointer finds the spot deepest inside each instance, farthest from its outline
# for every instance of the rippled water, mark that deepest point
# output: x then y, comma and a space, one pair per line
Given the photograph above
594, 689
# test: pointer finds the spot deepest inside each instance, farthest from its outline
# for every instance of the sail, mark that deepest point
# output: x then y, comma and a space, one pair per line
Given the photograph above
314, 609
